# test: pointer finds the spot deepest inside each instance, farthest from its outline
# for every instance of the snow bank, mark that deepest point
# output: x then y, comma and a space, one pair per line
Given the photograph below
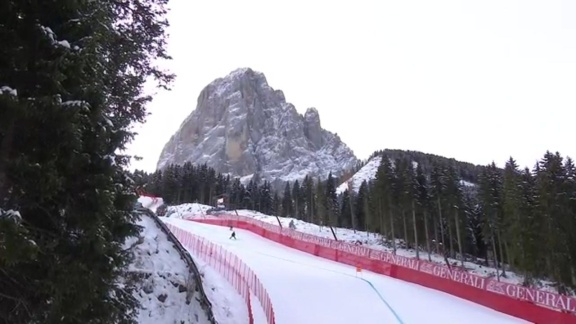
151, 203
180, 211
165, 283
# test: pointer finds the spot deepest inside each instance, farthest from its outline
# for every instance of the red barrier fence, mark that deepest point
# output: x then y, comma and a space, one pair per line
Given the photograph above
533, 305
236, 272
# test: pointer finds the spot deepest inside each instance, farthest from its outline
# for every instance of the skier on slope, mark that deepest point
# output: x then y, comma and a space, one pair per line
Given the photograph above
233, 236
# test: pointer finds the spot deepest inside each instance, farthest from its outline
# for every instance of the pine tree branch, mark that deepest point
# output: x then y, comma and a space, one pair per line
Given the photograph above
11, 278
18, 301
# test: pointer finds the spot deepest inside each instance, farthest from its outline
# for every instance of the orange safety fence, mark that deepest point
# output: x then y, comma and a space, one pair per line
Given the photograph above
229, 266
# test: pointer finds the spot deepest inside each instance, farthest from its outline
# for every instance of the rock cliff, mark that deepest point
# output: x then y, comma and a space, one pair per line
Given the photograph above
243, 127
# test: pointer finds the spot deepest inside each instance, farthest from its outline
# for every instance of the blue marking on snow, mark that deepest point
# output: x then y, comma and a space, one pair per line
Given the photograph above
384, 300
342, 273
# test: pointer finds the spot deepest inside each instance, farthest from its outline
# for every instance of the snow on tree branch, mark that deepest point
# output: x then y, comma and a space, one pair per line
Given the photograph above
11, 214
53, 39
8, 90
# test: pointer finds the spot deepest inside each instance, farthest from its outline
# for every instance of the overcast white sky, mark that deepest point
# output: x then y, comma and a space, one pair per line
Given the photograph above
474, 80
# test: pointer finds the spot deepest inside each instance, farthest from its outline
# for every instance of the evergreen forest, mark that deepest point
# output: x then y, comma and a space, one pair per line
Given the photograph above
514, 219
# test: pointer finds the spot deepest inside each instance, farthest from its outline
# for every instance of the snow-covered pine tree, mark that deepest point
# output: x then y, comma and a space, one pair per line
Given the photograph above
423, 203
361, 207
512, 202
551, 183
332, 207
382, 194
345, 219
532, 262
298, 198
308, 198
490, 190
287, 203
266, 199
438, 197
71, 83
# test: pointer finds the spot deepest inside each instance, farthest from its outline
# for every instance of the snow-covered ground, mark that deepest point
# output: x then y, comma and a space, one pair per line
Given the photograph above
375, 241
308, 289
151, 203
186, 209
228, 306
165, 279
371, 240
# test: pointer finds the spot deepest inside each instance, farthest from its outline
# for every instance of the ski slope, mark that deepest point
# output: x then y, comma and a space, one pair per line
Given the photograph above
308, 289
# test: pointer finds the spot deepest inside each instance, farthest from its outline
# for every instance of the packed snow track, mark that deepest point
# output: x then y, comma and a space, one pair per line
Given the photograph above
308, 289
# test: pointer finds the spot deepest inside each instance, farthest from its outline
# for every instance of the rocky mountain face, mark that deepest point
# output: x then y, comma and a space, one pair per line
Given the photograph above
243, 127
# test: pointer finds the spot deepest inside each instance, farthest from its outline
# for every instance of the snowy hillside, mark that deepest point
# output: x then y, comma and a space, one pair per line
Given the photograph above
164, 277
366, 173
178, 211
165, 282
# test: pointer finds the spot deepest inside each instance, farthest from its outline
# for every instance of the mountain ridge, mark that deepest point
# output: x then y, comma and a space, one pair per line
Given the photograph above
243, 127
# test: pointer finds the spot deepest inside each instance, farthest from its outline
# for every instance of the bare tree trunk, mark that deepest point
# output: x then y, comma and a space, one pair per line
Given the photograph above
415, 230
5, 150
450, 237
458, 236
296, 209
381, 219
405, 228
508, 256
311, 209
501, 249
367, 215
440, 221
352, 214
435, 224
392, 227
495, 254
426, 234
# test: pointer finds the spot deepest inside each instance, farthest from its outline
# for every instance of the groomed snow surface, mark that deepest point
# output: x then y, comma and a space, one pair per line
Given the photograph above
368, 239
308, 289
227, 305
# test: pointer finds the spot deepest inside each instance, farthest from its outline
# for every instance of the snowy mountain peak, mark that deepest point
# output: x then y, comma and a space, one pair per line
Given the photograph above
242, 126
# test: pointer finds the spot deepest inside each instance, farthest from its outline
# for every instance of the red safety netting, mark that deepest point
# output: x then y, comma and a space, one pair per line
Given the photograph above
534, 305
